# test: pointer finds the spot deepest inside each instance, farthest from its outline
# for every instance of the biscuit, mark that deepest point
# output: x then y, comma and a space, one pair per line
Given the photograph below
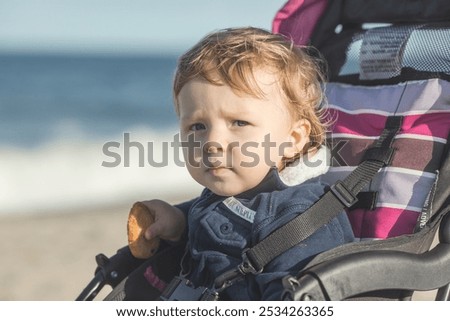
139, 219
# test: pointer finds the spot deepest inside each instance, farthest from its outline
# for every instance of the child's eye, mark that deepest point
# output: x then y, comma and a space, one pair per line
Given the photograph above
197, 126
240, 123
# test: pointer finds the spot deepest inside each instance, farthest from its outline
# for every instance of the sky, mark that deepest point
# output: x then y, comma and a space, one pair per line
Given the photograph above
123, 26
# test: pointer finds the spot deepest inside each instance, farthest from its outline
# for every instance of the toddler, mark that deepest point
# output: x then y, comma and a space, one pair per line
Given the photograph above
248, 103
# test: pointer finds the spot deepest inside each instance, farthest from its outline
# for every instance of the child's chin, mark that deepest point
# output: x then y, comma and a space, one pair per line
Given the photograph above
226, 192
223, 193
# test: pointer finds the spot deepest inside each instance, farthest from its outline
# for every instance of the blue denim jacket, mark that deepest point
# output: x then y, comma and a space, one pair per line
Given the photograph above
220, 228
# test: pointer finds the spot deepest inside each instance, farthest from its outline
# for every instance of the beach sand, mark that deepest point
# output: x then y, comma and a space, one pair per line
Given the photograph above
53, 257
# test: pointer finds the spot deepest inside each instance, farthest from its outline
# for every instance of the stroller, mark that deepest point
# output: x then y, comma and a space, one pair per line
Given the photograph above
389, 97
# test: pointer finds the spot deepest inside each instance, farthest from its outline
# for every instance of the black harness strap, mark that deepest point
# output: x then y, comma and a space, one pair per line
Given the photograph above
343, 194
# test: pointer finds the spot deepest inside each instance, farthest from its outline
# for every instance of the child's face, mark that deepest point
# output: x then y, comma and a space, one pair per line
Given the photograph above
236, 137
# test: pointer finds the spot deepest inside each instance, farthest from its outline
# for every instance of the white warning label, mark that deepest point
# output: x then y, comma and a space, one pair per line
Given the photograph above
381, 52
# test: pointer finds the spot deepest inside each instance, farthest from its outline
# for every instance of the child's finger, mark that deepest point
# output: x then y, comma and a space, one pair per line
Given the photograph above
153, 231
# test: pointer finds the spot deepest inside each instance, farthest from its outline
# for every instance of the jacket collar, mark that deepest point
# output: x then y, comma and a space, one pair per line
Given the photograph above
271, 182
301, 170
298, 172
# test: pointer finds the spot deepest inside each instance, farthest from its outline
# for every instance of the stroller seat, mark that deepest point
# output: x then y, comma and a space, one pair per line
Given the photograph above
383, 64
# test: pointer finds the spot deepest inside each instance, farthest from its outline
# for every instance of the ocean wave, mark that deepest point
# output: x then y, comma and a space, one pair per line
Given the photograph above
70, 173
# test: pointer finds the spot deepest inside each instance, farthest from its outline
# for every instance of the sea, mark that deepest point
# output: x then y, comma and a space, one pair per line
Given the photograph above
79, 132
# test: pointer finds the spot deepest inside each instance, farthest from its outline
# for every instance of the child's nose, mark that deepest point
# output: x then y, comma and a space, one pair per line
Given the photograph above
216, 141
212, 147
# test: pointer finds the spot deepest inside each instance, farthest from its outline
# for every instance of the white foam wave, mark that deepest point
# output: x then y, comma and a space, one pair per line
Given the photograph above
67, 173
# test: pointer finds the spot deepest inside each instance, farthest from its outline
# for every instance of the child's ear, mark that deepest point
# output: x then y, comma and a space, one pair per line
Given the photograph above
299, 137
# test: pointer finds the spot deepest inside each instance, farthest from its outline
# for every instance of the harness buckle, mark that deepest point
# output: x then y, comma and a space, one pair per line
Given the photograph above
247, 267
343, 194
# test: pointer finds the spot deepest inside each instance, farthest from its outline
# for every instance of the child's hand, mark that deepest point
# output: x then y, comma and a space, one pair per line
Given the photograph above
169, 224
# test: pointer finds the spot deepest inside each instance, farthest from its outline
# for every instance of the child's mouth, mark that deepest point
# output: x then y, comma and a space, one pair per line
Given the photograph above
218, 171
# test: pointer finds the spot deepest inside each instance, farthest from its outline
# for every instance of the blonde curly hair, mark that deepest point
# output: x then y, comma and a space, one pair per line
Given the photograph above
230, 57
